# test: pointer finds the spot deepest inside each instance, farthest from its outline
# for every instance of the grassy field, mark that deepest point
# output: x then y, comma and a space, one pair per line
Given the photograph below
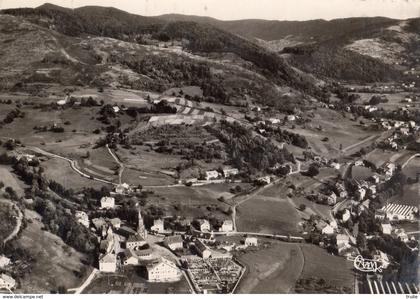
10, 180
320, 264
265, 214
55, 262
191, 201
271, 270
61, 172
339, 130
394, 100
361, 173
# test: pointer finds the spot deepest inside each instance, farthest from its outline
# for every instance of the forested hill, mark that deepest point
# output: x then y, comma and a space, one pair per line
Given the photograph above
111, 22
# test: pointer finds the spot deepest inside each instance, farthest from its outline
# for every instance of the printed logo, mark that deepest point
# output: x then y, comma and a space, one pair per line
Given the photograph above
367, 265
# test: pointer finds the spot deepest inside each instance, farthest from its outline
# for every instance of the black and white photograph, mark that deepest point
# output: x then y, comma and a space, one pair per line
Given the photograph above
209, 147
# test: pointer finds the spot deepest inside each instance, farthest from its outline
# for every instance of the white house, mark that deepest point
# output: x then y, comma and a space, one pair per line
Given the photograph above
4, 261
274, 121
163, 270
212, 174
204, 225
291, 118
7, 282
386, 228
264, 180
116, 109
108, 263
174, 242
82, 218
251, 241
361, 193
158, 226
107, 202
346, 216
227, 226
342, 239
325, 228
122, 188
228, 172
389, 169
116, 222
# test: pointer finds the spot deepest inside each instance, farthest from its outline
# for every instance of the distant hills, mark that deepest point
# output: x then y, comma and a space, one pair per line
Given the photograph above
285, 53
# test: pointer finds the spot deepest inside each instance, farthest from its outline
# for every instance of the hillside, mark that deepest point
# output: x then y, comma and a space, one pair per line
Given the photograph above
354, 49
202, 39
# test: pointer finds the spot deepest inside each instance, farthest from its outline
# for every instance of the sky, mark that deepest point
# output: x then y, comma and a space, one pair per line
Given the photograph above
249, 9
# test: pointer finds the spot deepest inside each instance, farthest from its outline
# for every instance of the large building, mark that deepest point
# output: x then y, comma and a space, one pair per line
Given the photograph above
163, 270
108, 263
158, 226
202, 249
107, 203
7, 282
400, 212
135, 242
227, 226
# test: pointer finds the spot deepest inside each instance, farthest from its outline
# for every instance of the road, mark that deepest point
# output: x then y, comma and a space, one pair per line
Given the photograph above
121, 165
88, 280
19, 219
73, 164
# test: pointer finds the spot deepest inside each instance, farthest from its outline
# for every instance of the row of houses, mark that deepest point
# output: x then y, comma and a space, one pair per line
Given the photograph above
226, 173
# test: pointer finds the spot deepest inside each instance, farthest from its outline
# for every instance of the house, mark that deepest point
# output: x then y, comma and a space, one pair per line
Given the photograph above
135, 242
361, 193
386, 228
342, 239
174, 242
291, 118
107, 202
158, 226
389, 169
324, 228
346, 216
229, 172
108, 263
122, 188
274, 121
380, 214
251, 241
227, 226
264, 180
130, 258
332, 199
99, 223
116, 109
400, 234
203, 225
382, 258
335, 165
341, 190
359, 163
375, 179
202, 249
404, 131
4, 261
82, 218
213, 174
144, 254
116, 222
163, 270
7, 282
